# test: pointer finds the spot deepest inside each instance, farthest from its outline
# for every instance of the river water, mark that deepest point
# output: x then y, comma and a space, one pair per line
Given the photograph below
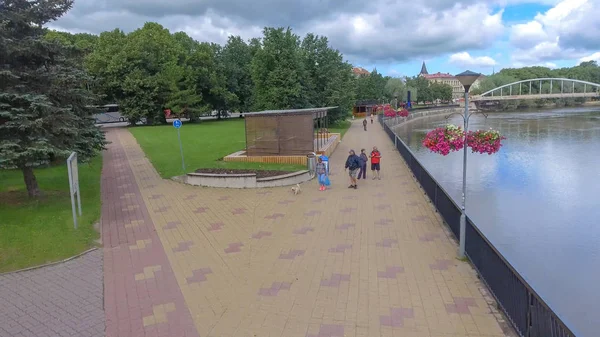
537, 200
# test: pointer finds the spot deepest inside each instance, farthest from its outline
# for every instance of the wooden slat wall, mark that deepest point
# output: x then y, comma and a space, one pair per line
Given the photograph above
293, 160
289, 160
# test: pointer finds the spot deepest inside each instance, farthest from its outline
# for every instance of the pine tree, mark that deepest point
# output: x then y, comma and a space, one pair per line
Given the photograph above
44, 103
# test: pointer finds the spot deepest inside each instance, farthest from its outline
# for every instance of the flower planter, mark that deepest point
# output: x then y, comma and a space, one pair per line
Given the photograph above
445, 139
485, 141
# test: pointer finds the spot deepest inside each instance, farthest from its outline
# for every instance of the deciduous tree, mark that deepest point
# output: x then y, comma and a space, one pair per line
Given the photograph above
441, 91
236, 59
278, 71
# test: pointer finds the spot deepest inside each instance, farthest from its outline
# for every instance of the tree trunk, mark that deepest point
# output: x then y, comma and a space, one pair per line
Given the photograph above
33, 190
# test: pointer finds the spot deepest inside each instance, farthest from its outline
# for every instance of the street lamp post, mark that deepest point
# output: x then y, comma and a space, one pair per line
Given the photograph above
467, 79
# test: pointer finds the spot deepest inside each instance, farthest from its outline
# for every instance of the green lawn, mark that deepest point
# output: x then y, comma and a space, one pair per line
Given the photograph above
340, 127
34, 232
204, 144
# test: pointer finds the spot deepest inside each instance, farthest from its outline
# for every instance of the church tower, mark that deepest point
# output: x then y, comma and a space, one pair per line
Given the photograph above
423, 69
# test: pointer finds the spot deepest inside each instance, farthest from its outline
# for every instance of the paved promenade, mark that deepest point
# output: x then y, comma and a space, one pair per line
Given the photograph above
63, 300
189, 261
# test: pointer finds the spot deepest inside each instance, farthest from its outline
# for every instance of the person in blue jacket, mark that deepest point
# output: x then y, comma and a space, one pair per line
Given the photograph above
352, 165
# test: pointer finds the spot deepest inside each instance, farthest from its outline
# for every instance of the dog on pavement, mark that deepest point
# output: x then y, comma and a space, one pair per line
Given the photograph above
296, 189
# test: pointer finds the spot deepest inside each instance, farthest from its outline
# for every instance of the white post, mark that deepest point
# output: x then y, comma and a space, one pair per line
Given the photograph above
78, 199
73, 171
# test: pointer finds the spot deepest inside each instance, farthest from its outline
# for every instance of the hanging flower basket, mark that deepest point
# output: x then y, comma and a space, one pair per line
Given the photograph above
485, 141
403, 113
445, 139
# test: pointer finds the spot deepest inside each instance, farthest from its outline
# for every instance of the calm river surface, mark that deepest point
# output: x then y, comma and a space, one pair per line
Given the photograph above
537, 200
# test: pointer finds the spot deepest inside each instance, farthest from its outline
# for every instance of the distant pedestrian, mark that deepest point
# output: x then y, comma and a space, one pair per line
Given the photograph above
365, 124
375, 163
363, 164
352, 165
372, 116
321, 171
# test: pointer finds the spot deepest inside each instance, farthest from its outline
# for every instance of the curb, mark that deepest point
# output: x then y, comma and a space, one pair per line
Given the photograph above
51, 263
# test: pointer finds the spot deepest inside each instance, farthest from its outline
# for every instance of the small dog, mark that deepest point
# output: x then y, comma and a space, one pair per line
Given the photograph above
296, 189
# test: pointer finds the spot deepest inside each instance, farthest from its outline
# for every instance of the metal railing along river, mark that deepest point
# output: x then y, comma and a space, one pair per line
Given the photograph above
525, 309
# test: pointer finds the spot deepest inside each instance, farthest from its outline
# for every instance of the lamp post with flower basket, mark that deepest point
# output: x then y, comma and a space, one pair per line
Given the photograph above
443, 140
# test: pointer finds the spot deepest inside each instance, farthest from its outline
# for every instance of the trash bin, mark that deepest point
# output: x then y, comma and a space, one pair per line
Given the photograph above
311, 163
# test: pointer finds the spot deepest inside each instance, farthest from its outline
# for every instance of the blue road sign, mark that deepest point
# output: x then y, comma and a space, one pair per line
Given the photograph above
177, 124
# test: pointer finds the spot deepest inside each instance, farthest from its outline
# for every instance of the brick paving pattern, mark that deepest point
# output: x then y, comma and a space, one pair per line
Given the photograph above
189, 261
58, 300
142, 296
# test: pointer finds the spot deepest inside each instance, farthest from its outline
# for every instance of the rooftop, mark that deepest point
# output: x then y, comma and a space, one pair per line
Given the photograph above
360, 71
437, 75
321, 111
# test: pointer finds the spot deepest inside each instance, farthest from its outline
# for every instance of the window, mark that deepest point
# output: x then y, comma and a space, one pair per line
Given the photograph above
111, 108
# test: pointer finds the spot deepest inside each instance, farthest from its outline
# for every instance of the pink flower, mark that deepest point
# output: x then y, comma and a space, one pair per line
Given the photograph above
484, 141
445, 139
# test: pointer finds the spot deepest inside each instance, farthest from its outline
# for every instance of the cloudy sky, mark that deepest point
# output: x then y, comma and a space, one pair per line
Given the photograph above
394, 36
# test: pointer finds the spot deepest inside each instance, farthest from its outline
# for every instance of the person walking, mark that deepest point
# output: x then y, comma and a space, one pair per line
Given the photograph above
321, 171
365, 124
352, 165
375, 162
363, 164
372, 117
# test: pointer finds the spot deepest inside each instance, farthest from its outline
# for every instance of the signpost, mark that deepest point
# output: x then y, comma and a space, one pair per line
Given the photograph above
74, 185
177, 125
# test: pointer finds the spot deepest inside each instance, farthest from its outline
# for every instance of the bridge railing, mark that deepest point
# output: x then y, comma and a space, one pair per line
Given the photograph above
524, 308
544, 88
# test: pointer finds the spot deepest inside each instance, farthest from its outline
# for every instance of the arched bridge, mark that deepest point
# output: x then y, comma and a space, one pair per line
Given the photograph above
540, 88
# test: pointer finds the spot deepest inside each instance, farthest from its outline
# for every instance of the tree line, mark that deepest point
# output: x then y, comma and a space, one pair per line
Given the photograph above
151, 69
386, 88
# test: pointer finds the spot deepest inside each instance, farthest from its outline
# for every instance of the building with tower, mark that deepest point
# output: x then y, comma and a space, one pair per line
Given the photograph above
457, 89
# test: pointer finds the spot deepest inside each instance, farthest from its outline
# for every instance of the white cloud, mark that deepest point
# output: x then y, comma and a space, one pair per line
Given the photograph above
363, 30
527, 34
519, 64
569, 30
594, 57
466, 60
395, 73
